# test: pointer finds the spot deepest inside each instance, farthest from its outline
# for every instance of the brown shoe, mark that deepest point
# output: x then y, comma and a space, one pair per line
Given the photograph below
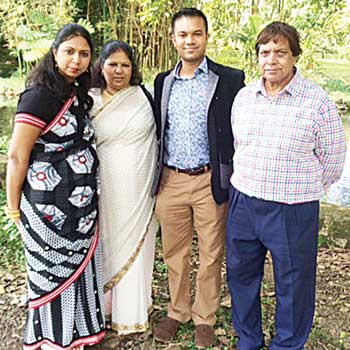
204, 336
166, 329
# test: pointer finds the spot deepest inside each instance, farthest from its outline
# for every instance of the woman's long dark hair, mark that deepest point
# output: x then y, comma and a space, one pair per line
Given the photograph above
46, 73
111, 47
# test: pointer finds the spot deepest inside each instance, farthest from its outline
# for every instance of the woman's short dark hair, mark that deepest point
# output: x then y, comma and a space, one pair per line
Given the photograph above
189, 12
276, 30
46, 72
110, 48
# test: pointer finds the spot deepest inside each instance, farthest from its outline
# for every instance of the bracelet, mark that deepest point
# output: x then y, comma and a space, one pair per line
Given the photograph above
12, 214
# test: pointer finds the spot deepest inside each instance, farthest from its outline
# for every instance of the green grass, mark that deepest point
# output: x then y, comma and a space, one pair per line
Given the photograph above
334, 76
335, 69
320, 338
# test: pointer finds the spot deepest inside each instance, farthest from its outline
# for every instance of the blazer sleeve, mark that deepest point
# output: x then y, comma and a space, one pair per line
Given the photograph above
158, 87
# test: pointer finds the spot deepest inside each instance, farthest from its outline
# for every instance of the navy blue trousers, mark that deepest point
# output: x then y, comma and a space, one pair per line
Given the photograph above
290, 233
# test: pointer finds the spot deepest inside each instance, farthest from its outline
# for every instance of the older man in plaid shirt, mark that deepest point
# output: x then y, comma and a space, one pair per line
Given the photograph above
289, 148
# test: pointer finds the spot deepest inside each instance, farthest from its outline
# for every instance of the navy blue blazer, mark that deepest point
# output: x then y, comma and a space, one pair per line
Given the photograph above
223, 84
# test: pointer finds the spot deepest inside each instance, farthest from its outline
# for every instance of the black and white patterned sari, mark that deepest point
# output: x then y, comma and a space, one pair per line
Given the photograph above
59, 225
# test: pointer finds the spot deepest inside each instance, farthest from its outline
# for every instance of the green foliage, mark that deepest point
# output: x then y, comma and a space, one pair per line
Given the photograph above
246, 37
342, 338
336, 85
29, 27
324, 27
87, 25
4, 144
318, 29
11, 87
319, 336
11, 252
161, 267
323, 241
32, 44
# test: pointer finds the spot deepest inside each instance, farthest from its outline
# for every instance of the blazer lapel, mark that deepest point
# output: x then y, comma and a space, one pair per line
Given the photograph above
212, 83
165, 99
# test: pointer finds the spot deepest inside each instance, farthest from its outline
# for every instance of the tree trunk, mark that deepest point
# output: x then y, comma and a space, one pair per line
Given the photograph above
111, 11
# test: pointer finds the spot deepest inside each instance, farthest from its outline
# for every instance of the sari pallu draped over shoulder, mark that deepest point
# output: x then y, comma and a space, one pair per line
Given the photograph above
127, 150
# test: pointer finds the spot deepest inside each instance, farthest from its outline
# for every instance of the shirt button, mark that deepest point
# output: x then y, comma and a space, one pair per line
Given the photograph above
70, 253
26, 226
97, 310
219, 130
47, 248
36, 321
39, 338
50, 278
85, 251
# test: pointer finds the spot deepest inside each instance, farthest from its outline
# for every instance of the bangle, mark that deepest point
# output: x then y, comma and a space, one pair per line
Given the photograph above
12, 214
11, 211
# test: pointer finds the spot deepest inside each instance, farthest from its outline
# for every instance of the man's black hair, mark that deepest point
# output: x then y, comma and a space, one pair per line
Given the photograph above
189, 12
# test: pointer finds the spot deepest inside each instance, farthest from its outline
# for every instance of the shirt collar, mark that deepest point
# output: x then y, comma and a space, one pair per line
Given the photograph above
291, 88
202, 68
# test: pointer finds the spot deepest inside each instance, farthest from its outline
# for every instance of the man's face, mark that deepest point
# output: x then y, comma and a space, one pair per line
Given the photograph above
276, 62
190, 38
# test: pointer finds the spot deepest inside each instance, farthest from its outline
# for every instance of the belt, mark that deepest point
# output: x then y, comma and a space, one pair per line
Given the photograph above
193, 171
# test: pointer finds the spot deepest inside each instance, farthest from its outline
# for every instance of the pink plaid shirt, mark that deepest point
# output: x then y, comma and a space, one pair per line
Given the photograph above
289, 148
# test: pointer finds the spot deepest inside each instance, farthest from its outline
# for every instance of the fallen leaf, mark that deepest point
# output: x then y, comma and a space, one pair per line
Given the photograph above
2, 289
220, 331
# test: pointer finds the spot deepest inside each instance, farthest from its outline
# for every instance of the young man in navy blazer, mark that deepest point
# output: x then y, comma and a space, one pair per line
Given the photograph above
193, 114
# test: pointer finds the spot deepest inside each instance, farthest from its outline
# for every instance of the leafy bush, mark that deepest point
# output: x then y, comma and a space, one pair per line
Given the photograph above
4, 143
336, 85
11, 252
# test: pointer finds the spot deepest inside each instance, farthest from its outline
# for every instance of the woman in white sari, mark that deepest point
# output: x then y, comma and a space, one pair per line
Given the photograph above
126, 147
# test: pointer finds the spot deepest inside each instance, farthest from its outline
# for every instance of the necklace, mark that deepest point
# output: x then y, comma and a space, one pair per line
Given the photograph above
108, 95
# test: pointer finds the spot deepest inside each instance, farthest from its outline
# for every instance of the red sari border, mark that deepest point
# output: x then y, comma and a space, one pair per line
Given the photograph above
63, 110
88, 341
36, 303
30, 119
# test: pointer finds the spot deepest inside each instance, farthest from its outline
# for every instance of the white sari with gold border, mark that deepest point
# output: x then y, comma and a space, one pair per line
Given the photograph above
126, 148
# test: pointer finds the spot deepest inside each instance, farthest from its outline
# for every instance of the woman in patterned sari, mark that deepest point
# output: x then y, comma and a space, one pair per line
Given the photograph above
126, 146
52, 198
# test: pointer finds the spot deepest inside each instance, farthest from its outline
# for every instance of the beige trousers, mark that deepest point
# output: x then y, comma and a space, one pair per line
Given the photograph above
185, 201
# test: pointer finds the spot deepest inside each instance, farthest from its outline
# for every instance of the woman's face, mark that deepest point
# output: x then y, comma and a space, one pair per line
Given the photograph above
117, 71
73, 57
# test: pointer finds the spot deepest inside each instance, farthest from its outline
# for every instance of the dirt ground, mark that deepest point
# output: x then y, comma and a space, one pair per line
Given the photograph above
331, 329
